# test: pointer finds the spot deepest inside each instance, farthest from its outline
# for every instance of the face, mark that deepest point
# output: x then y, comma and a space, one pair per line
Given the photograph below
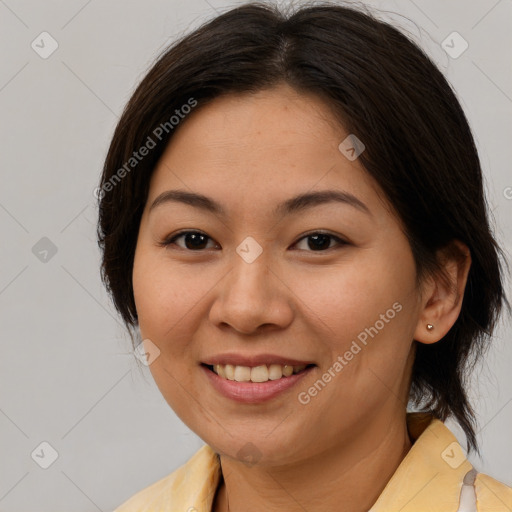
261, 280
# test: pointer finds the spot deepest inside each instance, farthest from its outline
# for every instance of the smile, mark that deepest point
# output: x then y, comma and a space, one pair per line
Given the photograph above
254, 384
261, 373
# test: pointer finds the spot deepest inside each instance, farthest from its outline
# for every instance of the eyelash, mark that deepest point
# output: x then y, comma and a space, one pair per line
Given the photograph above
171, 240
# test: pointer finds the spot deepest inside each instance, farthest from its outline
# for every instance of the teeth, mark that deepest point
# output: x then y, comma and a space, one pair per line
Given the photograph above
287, 370
229, 370
261, 373
220, 371
242, 373
275, 371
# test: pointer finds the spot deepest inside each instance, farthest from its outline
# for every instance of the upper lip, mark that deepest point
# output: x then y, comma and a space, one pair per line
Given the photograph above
254, 360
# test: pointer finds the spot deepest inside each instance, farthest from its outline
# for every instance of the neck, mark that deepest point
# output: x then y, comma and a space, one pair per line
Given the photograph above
353, 474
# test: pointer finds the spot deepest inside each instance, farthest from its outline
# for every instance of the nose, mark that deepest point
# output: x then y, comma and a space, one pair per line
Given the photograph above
252, 298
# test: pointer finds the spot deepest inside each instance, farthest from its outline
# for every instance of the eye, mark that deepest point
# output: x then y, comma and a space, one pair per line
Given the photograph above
196, 241
320, 242
193, 240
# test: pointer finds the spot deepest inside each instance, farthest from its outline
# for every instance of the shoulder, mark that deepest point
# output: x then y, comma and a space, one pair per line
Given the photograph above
492, 495
149, 497
190, 486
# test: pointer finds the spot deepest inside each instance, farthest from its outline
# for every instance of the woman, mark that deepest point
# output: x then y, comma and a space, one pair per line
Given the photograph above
292, 215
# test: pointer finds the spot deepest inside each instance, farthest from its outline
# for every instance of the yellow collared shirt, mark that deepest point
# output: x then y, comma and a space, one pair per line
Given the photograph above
432, 477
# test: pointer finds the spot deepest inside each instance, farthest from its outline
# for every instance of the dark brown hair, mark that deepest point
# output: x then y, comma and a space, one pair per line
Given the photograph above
383, 88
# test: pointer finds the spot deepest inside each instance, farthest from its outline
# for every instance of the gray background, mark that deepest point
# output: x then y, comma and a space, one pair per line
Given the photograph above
67, 375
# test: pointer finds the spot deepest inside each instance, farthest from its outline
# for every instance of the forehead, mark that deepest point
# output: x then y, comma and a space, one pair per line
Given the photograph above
255, 119
267, 145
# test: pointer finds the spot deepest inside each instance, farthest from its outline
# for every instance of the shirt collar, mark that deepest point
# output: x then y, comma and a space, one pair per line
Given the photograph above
429, 478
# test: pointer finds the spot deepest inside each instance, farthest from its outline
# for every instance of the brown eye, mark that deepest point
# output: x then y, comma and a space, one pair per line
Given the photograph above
192, 240
197, 241
320, 242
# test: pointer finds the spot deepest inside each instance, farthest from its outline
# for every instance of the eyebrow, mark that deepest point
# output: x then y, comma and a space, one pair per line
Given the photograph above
295, 204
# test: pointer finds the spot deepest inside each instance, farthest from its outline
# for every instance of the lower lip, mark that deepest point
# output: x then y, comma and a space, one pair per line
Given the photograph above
253, 392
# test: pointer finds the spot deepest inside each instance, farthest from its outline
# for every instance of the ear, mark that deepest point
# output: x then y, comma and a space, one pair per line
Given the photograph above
442, 297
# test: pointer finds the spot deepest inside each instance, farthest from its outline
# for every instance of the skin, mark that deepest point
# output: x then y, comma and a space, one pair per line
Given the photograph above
249, 153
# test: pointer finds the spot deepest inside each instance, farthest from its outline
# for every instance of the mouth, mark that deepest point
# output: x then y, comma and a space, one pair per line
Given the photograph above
255, 384
257, 374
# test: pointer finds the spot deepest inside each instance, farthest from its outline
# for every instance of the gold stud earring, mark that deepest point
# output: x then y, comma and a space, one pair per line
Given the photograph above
429, 327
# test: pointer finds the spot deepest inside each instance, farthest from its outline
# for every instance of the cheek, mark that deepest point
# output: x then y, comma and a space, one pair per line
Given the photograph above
172, 301
164, 295
167, 300
363, 311
352, 295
